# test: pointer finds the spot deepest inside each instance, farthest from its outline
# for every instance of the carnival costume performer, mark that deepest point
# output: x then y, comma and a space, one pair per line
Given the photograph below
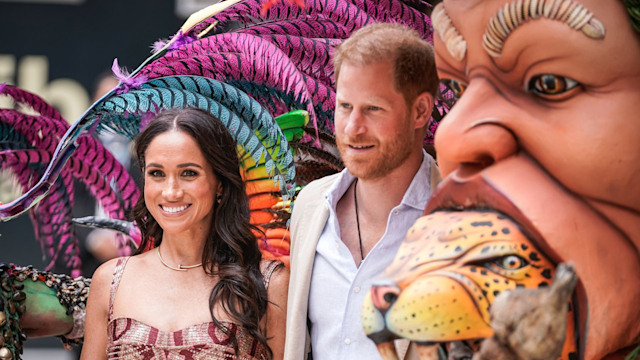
205, 258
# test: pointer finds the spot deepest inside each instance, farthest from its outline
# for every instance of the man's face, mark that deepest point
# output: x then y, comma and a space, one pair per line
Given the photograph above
374, 131
549, 120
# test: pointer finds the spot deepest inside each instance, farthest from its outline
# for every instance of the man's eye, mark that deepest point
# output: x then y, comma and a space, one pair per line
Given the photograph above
455, 86
549, 84
345, 106
374, 108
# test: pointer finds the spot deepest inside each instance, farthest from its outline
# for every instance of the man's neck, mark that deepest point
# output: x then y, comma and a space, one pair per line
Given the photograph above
376, 197
362, 228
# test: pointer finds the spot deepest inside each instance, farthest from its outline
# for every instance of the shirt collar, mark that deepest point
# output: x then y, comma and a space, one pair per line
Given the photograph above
416, 195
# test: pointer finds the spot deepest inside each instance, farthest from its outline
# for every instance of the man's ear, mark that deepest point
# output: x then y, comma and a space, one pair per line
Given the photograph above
423, 106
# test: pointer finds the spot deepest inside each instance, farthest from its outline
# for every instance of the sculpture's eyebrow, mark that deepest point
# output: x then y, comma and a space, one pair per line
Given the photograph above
455, 43
517, 12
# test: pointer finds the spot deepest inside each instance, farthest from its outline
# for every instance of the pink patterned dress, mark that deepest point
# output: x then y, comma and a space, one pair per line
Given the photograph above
130, 339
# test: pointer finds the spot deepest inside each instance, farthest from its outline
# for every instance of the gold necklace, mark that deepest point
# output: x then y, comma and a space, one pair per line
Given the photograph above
180, 267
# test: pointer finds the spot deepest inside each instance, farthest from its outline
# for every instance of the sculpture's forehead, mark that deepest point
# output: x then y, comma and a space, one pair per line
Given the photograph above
494, 21
487, 8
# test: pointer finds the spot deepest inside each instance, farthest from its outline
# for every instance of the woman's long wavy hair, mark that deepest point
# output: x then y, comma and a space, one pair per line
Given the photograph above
231, 251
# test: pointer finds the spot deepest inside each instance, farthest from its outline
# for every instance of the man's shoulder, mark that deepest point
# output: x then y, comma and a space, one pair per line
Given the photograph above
317, 187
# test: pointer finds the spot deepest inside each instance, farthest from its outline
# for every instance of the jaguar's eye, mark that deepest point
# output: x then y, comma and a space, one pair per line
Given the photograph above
511, 262
549, 85
456, 86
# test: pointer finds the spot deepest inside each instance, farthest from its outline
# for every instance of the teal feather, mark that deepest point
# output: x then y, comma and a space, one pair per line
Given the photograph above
257, 117
128, 107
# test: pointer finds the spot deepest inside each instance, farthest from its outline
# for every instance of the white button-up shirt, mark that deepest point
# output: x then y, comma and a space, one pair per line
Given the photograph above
338, 287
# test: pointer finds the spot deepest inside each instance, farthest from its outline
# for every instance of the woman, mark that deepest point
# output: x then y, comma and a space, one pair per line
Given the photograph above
202, 290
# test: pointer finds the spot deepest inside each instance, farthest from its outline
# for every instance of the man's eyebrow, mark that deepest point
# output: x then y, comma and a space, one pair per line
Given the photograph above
443, 26
517, 12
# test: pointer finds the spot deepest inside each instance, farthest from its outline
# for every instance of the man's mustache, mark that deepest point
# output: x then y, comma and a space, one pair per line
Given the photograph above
361, 139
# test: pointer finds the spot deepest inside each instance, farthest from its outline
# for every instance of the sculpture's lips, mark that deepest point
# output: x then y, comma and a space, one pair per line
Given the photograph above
464, 190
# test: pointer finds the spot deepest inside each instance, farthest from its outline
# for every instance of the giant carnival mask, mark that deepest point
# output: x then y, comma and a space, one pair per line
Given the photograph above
541, 155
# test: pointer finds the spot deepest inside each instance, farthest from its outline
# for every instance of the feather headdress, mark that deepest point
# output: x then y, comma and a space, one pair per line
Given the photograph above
250, 66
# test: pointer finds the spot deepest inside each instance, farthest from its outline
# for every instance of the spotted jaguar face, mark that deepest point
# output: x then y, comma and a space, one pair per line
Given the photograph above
447, 273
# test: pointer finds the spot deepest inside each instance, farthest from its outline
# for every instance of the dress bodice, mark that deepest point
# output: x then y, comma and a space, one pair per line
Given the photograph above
131, 339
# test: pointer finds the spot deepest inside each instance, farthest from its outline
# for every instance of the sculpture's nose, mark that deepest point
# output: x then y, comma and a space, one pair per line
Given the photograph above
478, 132
383, 296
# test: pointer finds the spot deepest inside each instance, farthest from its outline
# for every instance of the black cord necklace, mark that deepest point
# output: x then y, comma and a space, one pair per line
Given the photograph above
355, 201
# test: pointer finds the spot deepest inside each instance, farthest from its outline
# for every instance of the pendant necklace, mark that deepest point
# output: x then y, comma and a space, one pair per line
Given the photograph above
180, 267
355, 201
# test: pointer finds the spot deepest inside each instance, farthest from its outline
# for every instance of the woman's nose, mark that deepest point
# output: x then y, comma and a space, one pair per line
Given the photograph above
172, 190
473, 135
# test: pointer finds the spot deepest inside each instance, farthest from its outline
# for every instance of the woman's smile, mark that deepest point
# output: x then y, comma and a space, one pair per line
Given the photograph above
174, 209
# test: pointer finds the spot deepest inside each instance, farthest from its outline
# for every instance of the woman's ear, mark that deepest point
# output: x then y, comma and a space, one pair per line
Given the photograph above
423, 106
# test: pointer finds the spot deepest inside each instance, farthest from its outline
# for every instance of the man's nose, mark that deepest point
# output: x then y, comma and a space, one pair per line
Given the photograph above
355, 123
473, 134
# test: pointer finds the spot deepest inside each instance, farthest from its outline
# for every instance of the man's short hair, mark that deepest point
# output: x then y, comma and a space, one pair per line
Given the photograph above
412, 57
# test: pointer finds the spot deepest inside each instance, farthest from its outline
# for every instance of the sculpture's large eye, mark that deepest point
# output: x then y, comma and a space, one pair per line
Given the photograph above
456, 86
549, 85
511, 262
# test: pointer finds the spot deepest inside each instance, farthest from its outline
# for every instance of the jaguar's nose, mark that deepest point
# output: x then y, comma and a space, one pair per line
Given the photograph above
383, 296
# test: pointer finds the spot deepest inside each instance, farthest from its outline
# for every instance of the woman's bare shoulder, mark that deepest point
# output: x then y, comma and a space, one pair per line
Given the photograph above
278, 284
104, 272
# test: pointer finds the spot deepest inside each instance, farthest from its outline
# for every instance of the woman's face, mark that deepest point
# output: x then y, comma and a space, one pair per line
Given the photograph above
180, 185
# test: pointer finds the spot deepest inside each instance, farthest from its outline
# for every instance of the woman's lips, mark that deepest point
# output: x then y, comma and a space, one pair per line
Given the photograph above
175, 209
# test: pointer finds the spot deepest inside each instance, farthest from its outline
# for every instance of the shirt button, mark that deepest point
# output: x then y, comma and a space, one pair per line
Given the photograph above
395, 212
356, 289
347, 341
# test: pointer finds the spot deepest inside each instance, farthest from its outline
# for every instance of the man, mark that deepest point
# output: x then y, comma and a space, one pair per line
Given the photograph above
546, 133
347, 227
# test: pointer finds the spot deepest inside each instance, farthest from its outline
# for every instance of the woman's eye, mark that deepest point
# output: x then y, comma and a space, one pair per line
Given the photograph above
155, 173
455, 86
549, 84
511, 262
189, 173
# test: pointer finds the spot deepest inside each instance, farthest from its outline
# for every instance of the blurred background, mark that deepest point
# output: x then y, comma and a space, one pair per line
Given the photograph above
62, 50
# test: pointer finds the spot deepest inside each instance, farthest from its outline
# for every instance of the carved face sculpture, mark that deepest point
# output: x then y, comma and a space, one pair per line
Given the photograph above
546, 132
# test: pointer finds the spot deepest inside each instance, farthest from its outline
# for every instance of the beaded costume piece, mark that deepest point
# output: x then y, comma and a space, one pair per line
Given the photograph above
130, 339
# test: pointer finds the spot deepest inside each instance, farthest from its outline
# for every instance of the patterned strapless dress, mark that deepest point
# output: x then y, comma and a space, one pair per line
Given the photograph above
130, 339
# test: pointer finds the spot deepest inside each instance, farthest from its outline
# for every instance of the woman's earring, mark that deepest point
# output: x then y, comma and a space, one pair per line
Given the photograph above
218, 198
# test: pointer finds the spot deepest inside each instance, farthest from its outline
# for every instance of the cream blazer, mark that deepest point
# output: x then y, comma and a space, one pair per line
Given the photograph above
307, 222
